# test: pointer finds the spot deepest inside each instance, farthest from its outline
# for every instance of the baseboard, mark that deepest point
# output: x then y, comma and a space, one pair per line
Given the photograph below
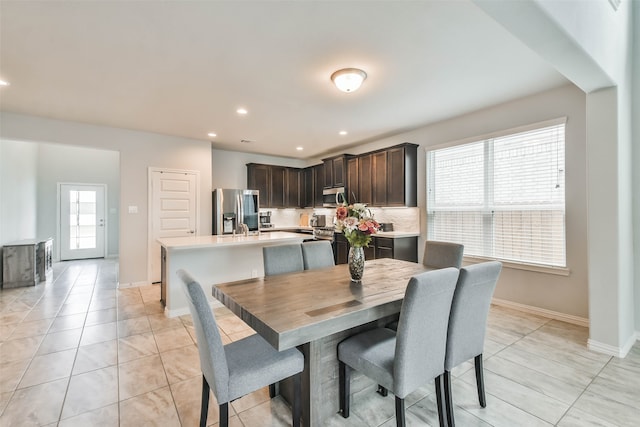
185, 310
612, 350
575, 320
132, 284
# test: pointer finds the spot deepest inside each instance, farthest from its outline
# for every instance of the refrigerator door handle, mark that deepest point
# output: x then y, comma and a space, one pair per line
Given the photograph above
240, 209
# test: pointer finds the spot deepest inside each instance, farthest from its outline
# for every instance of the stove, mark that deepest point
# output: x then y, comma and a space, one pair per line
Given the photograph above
323, 233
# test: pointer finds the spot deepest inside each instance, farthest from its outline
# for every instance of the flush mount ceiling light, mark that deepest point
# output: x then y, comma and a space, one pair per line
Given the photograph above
242, 111
4, 83
212, 134
348, 79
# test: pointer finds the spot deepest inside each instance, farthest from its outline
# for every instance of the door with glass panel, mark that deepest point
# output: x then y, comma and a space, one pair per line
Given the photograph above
82, 221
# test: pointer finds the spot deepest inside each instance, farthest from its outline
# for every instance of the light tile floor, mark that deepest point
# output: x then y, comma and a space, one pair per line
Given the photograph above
77, 351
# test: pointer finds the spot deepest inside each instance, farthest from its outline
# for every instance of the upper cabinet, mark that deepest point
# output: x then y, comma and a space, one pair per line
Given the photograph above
259, 178
312, 186
318, 184
279, 186
386, 177
335, 171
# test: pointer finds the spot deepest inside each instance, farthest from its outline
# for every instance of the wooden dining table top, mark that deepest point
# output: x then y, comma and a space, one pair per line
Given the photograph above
296, 308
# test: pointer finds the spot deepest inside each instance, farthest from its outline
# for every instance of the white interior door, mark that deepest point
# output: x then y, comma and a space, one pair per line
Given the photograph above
82, 221
174, 199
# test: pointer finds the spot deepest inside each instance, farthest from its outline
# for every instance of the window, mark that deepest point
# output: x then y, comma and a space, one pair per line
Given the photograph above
502, 197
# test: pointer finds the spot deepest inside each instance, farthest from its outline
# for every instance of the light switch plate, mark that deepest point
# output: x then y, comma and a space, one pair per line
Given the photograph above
133, 209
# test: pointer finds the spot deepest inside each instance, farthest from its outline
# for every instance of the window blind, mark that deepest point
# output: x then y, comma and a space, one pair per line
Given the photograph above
502, 197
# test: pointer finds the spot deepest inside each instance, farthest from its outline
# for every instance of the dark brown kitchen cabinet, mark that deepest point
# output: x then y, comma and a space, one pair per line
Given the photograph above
308, 182
403, 248
340, 248
335, 173
259, 178
384, 247
352, 181
402, 176
389, 177
311, 186
278, 187
292, 189
379, 179
365, 183
318, 185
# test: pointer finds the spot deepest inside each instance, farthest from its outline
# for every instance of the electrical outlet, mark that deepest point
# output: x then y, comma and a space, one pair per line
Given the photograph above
254, 273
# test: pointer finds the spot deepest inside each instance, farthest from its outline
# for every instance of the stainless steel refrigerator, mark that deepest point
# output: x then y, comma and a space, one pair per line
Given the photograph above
233, 208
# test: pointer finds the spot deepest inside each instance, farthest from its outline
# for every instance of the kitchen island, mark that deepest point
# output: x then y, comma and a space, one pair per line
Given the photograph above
212, 260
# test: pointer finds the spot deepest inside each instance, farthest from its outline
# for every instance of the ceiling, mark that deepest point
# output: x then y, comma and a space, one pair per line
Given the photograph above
183, 68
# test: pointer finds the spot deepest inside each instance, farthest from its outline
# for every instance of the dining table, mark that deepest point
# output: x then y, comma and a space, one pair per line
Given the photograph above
313, 310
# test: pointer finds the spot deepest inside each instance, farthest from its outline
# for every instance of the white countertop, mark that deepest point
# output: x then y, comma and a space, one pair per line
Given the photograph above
287, 228
193, 242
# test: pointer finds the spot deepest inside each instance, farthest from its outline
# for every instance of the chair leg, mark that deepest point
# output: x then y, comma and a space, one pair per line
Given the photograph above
382, 391
480, 380
204, 405
448, 400
345, 388
400, 421
296, 411
224, 415
441, 409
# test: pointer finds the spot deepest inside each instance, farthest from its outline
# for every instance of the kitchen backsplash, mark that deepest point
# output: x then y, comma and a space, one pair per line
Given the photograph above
403, 219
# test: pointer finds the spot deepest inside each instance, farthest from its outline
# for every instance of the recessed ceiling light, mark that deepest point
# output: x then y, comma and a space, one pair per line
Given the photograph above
212, 134
242, 111
299, 148
3, 83
343, 132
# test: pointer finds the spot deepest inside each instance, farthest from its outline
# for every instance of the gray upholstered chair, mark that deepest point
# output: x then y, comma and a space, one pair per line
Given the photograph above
282, 259
442, 254
468, 324
238, 368
404, 361
436, 255
318, 254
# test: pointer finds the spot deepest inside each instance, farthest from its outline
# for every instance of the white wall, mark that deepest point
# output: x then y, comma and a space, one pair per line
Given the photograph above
18, 191
635, 112
591, 44
18, 201
568, 295
138, 151
229, 170
68, 164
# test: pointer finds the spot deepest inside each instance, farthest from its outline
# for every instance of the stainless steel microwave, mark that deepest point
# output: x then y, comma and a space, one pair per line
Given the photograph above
332, 197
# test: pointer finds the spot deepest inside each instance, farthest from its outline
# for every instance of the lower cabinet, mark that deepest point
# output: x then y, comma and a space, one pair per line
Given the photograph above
404, 248
26, 263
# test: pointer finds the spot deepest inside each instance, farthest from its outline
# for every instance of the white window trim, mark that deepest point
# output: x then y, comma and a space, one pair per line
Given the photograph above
546, 269
498, 134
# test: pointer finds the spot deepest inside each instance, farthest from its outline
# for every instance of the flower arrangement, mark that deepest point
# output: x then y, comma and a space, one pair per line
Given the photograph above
357, 224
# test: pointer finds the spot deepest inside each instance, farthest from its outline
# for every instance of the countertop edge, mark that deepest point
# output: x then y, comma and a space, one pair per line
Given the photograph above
203, 242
